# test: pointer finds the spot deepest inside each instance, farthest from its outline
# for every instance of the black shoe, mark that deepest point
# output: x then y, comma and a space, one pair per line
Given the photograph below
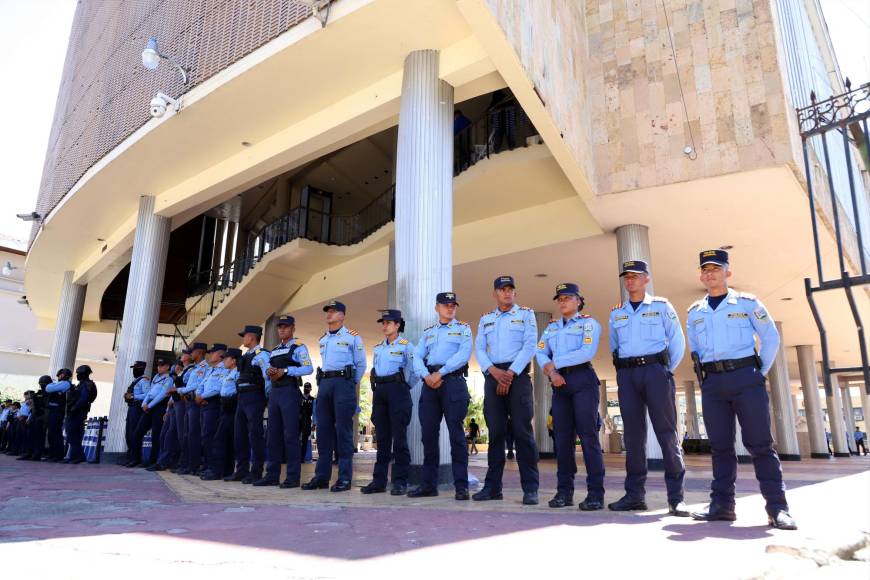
461, 495
591, 505
131, 464
399, 489
23, 458
147, 465
210, 476
265, 481
530, 498
510, 455
714, 512
782, 520
235, 476
156, 467
315, 483
340, 485
77, 461
182, 471
66, 461
289, 484
423, 492
561, 500
487, 494
678, 509
373, 488
251, 478
627, 504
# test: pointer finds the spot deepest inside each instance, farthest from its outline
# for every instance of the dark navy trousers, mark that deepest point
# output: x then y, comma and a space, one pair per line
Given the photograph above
575, 413
194, 436
36, 432
179, 409
220, 458
250, 443
134, 413
282, 432
150, 421
336, 405
169, 446
742, 394
75, 432
449, 401
650, 389
55, 432
391, 415
209, 418
517, 404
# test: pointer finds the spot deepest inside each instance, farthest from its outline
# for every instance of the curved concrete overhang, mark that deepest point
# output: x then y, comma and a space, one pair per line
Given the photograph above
310, 91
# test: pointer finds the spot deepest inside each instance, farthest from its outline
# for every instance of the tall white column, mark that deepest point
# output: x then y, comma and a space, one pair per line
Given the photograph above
693, 427
632, 243
270, 332
424, 210
836, 419
812, 405
69, 325
141, 311
865, 403
543, 395
392, 299
848, 416
783, 411
603, 434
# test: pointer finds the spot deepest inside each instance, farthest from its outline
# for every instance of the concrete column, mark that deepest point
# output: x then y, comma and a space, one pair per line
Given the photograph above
836, 419
604, 433
812, 406
632, 243
69, 325
424, 213
392, 300
543, 395
270, 332
783, 411
693, 427
865, 403
849, 416
141, 311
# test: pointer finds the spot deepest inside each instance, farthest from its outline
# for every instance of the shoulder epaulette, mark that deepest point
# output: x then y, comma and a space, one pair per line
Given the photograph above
524, 308
696, 304
324, 334
146, 377
297, 341
552, 320
617, 307
659, 299
257, 349
352, 332
462, 322
429, 327
585, 316
747, 296
403, 341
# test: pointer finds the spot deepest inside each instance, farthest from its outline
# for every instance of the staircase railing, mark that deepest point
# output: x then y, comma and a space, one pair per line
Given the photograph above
501, 128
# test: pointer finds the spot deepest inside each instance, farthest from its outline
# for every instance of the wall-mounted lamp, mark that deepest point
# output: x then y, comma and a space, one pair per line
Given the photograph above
151, 59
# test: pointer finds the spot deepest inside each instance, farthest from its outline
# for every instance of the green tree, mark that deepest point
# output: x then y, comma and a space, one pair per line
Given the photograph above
365, 403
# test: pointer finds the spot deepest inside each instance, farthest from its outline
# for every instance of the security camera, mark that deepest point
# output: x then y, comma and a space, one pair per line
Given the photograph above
28, 217
161, 102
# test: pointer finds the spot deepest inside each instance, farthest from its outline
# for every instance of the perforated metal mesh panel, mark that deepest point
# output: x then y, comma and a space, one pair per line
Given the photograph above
105, 89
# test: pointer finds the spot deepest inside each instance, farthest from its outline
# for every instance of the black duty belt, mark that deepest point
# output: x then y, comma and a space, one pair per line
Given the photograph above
398, 377
565, 370
248, 388
641, 361
463, 371
286, 381
345, 373
506, 366
724, 366
213, 399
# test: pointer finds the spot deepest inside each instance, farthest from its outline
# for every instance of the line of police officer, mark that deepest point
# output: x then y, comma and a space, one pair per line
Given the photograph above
646, 341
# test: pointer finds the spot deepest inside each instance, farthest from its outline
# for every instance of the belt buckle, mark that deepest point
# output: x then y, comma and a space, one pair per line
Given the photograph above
719, 366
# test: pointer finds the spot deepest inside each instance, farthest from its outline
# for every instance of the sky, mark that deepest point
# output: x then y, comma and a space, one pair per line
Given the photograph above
35, 35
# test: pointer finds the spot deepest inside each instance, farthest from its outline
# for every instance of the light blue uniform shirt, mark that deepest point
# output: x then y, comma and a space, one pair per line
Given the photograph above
391, 357
650, 329
4, 415
58, 387
444, 345
569, 343
506, 337
729, 331
194, 377
341, 349
25, 410
141, 388
211, 385
228, 383
159, 387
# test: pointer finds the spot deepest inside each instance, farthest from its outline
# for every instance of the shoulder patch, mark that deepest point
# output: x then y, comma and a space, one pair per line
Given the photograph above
616, 307
747, 296
659, 299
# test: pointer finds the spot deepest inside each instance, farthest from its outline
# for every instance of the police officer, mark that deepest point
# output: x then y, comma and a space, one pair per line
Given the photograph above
78, 403
391, 405
26, 447
344, 364
647, 344
181, 405
220, 455
193, 427
169, 438
38, 419
56, 411
441, 358
565, 352
721, 328
208, 397
153, 410
289, 361
504, 346
249, 440
134, 396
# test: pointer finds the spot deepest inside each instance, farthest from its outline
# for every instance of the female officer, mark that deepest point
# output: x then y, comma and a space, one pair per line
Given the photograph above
391, 405
564, 352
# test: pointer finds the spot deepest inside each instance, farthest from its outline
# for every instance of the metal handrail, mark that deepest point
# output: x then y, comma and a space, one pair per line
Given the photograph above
504, 127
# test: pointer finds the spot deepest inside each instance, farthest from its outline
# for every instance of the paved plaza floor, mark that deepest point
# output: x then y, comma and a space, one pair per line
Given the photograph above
70, 521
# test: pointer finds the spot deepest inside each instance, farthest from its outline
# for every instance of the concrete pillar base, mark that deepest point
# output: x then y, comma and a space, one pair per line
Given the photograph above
820, 455
838, 454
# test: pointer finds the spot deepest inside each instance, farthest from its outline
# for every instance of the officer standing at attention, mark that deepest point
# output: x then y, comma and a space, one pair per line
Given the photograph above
56, 410
289, 361
565, 352
306, 412
722, 327
441, 358
193, 429
647, 344
208, 397
37, 419
182, 405
134, 396
78, 404
169, 438
219, 454
252, 386
153, 409
391, 405
504, 346
344, 364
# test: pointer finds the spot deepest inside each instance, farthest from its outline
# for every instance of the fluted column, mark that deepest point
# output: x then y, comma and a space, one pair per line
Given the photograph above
693, 428
632, 243
783, 411
424, 210
69, 325
392, 299
543, 395
141, 311
836, 420
812, 405
848, 416
270, 332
